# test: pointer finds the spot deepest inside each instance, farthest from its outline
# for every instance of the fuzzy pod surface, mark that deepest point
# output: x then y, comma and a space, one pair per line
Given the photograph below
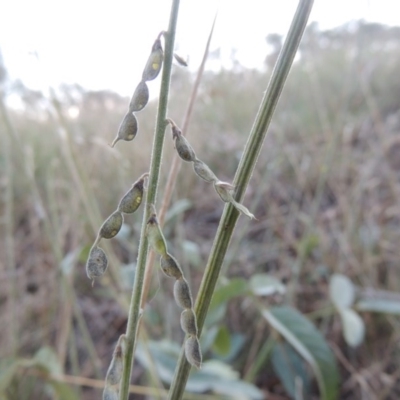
189, 322
154, 62
140, 97
184, 149
114, 373
155, 236
192, 351
170, 266
182, 294
127, 129
97, 263
111, 225
110, 393
204, 171
133, 198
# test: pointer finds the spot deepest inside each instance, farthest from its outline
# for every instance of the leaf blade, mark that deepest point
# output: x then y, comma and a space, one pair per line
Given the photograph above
309, 343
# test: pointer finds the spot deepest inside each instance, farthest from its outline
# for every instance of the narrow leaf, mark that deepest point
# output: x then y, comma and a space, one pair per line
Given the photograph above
378, 305
290, 368
310, 344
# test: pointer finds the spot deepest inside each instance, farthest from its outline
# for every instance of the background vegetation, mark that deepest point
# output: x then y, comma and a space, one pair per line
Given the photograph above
325, 193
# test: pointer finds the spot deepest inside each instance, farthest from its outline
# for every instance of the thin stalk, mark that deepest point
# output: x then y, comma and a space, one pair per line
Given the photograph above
242, 177
158, 142
9, 231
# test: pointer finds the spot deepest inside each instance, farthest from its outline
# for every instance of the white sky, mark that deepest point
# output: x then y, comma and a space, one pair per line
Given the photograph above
104, 44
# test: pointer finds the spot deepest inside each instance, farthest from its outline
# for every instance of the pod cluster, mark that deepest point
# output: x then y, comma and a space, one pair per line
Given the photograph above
129, 125
186, 153
114, 372
182, 293
97, 261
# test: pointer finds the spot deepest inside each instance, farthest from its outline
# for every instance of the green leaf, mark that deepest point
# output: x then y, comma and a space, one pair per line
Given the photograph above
353, 327
235, 287
291, 369
46, 358
222, 342
191, 251
8, 369
341, 291
309, 343
127, 274
214, 376
377, 305
265, 285
63, 391
179, 207
308, 244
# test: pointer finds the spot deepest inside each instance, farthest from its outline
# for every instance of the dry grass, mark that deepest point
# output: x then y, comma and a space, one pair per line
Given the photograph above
325, 192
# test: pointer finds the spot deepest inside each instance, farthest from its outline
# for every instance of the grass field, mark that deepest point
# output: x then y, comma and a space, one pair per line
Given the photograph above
325, 193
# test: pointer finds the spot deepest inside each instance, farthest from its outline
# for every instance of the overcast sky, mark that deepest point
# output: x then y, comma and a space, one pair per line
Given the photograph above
104, 45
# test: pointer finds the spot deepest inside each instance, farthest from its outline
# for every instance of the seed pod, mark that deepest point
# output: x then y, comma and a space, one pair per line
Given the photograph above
182, 294
184, 149
154, 62
181, 61
140, 97
133, 198
111, 225
155, 236
203, 171
114, 373
170, 267
127, 129
192, 351
97, 262
110, 393
224, 191
189, 322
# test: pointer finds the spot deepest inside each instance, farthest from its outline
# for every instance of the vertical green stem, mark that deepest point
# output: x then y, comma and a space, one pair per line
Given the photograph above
134, 309
242, 177
9, 231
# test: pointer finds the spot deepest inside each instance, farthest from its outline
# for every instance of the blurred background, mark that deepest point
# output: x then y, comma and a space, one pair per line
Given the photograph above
325, 193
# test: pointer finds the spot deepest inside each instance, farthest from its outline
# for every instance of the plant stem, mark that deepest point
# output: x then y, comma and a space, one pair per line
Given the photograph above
9, 232
242, 177
134, 308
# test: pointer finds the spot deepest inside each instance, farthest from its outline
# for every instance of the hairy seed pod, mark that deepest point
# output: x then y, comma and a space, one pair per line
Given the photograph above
189, 322
154, 62
170, 267
192, 351
184, 149
127, 129
110, 393
155, 236
112, 225
114, 373
97, 263
133, 198
182, 294
140, 97
203, 171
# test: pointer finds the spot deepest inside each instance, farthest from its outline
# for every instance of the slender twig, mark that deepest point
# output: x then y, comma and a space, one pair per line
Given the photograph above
134, 309
242, 177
